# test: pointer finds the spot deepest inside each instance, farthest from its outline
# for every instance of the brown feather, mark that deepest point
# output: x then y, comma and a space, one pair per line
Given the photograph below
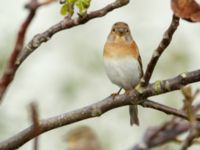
119, 45
121, 49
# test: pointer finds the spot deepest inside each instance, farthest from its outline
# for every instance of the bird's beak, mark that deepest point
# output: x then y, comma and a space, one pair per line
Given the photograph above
121, 31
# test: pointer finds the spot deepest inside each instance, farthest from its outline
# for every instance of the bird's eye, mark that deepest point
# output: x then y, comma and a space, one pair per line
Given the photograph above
113, 29
126, 30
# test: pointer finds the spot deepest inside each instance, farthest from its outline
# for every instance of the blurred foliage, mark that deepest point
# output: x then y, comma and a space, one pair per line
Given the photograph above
83, 138
68, 6
173, 62
71, 87
3, 128
89, 60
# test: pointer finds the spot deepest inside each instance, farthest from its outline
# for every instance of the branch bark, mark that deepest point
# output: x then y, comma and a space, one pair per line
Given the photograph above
165, 109
194, 133
35, 121
7, 76
11, 66
164, 43
19, 55
157, 136
170, 130
66, 23
135, 96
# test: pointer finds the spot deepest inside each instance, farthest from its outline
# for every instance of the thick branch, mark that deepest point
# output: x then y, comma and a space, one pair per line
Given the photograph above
167, 37
66, 23
97, 109
19, 56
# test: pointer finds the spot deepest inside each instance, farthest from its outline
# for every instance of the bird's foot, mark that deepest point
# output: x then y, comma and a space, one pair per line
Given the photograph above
128, 92
116, 94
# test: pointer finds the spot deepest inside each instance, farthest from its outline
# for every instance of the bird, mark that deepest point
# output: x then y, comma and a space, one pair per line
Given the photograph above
82, 138
122, 62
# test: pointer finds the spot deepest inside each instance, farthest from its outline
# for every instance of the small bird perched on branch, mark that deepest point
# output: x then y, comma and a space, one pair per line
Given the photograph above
122, 62
83, 138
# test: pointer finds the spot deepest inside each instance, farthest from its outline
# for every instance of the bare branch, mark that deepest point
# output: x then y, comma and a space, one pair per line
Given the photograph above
97, 109
11, 66
163, 108
194, 133
156, 136
36, 126
170, 130
66, 23
167, 132
19, 56
167, 37
7, 77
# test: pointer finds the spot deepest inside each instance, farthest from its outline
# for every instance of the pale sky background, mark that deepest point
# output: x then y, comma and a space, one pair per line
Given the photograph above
67, 72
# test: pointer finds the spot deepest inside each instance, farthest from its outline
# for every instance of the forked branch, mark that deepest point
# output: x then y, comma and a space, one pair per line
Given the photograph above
135, 96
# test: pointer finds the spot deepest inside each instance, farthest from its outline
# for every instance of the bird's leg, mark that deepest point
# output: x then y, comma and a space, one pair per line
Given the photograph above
127, 91
115, 94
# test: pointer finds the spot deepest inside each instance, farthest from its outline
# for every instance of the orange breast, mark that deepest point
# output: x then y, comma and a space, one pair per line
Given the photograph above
120, 50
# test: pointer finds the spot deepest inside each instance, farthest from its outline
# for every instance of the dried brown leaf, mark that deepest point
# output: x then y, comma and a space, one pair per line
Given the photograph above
186, 9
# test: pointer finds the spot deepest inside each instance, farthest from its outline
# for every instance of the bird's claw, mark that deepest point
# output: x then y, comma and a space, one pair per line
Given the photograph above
116, 94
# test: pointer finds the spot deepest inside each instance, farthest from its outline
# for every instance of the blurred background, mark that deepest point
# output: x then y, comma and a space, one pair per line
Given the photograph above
67, 72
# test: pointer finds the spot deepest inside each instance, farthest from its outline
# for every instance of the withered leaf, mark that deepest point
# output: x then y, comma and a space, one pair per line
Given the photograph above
186, 9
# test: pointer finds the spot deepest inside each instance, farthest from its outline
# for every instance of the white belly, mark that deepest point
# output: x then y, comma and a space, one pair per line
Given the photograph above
124, 72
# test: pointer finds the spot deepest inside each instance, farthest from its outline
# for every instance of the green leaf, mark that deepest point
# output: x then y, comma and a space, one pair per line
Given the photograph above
86, 3
64, 10
83, 5
71, 1
68, 6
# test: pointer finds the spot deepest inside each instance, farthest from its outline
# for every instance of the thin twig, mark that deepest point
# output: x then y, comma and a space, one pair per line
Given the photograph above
167, 37
15, 60
163, 108
99, 108
11, 66
66, 23
179, 141
7, 76
46, 2
36, 126
156, 136
194, 131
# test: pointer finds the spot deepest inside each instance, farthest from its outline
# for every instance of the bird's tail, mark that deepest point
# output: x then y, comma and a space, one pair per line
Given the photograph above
133, 111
